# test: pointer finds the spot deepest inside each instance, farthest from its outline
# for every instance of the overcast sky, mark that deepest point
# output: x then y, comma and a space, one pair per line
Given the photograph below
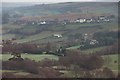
54, 1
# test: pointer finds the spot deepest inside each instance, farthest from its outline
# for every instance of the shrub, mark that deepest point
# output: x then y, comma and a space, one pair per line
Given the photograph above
47, 63
26, 65
93, 62
48, 72
87, 62
108, 73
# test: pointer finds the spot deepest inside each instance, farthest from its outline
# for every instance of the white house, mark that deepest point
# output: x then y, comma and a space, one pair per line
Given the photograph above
93, 42
57, 35
89, 20
43, 22
80, 20
85, 36
106, 20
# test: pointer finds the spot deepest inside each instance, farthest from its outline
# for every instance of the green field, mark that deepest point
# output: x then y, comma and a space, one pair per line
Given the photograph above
39, 36
8, 36
110, 62
35, 57
46, 36
9, 26
74, 47
94, 49
88, 50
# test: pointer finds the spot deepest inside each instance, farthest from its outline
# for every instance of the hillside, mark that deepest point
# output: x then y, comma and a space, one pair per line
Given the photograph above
61, 11
63, 8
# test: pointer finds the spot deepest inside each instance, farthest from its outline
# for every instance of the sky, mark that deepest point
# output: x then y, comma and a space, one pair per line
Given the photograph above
56, 1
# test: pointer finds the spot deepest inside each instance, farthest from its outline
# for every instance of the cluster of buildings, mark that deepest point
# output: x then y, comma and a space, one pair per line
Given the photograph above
62, 19
89, 20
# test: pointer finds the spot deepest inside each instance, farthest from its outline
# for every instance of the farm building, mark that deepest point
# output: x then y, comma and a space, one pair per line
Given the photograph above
89, 20
57, 35
43, 22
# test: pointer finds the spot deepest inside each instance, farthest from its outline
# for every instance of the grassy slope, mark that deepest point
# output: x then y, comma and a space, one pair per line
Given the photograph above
70, 28
10, 27
40, 36
35, 37
8, 36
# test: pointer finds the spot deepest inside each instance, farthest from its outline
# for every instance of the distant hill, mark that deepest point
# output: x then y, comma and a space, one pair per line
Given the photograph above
64, 8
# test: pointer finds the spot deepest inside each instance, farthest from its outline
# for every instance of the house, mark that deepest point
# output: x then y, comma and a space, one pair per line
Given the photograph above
43, 22
106, 20
102, 17
57, 35
93, 42
80, 20
85, 36
89, 20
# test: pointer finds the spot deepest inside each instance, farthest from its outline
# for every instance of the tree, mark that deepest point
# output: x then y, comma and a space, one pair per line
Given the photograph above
46, 63
107, 73
61, 51
93, 62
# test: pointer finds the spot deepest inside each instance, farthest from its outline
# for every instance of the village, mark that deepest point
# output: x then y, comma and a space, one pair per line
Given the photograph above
65, 20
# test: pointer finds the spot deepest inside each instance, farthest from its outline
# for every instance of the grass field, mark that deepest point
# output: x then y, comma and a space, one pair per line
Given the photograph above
110, 62
9, 26
67, 29
39, 36
35, 57
8, 36
74, 47
94, 49
88, 50
49, 39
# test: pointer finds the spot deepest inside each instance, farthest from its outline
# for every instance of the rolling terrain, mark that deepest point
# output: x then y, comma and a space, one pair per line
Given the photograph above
39, 49
62, 8
60, 11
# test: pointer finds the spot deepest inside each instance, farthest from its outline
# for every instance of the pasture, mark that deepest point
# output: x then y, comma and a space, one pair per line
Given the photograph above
45, 35
36, 57
112, 61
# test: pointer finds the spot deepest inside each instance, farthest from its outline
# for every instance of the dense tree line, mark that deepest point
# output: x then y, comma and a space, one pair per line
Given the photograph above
48, 48
104, 39
22, 48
